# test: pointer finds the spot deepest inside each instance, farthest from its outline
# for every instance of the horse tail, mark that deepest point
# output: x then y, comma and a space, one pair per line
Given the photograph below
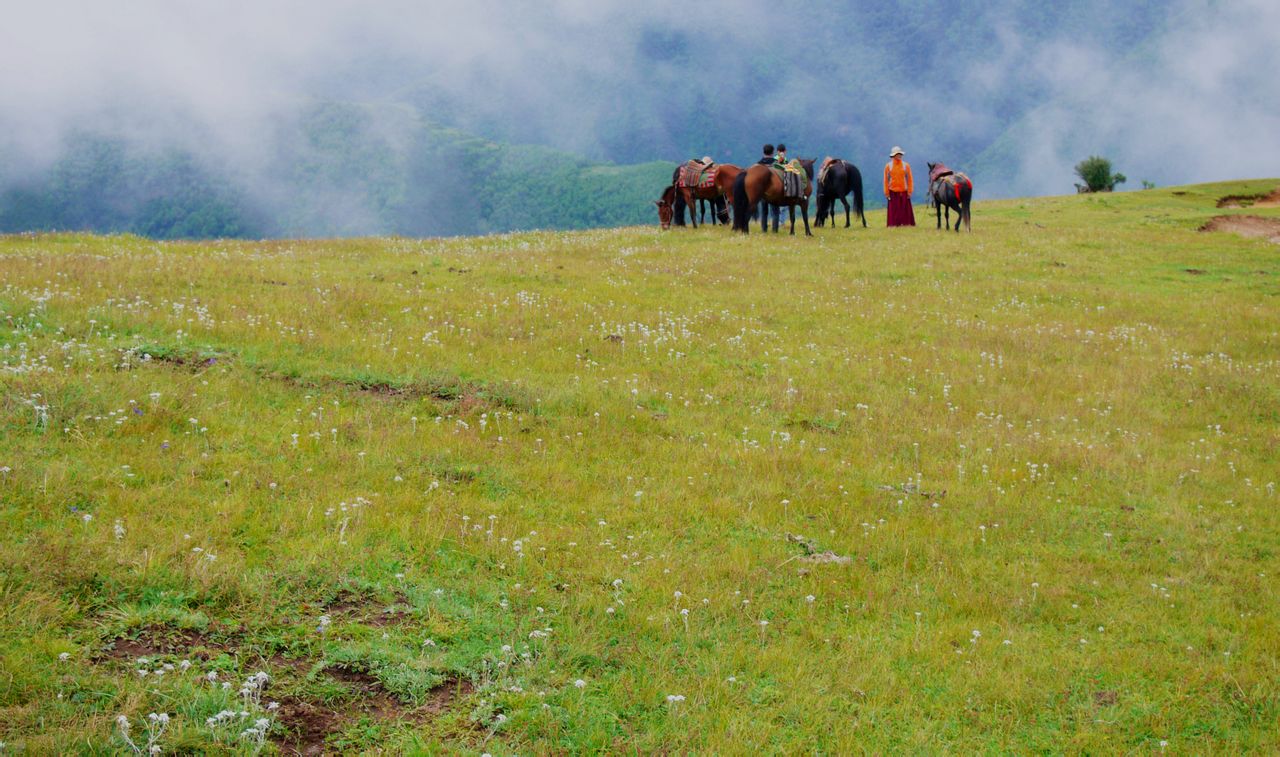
741, 204
722, 210
966, 199
855, 182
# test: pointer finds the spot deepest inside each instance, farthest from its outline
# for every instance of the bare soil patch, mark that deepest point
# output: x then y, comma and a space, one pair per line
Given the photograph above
153, 641
461, 395
308, 725
1254, 227
365, 609
1261, 200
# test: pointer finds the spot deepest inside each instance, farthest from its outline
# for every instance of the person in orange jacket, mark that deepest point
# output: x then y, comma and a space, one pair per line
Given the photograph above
898, 187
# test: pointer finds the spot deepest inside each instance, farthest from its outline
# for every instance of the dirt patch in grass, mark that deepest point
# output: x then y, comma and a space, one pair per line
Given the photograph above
153, 641
308, 725
1261, 200
363, 608
1254, 227
463, 395
442, 697
187, 359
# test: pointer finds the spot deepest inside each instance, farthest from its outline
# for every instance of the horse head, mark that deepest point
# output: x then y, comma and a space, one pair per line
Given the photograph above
665, 212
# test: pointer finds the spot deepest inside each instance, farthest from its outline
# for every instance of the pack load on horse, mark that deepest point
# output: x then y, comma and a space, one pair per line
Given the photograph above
795, 182
836, 179
949, 189
788, 185
705, 172
704, 180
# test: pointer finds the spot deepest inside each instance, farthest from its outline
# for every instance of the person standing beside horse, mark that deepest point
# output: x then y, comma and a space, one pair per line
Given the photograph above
898, 188
768, 159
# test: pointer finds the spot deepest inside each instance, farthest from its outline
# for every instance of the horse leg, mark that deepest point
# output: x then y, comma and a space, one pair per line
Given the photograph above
804, 212
692, 202
792, 210
845, 203
937, 207
959, 217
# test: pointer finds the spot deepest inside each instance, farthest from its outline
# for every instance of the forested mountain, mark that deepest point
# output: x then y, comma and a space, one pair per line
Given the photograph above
335, 170
496, 117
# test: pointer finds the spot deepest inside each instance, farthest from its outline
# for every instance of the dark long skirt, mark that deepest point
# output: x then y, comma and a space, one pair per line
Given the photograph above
900, 212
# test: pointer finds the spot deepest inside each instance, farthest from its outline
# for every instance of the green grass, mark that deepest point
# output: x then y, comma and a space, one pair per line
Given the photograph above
505, 464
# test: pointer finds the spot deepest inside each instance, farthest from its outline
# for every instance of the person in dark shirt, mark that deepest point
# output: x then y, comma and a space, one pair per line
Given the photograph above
779, 157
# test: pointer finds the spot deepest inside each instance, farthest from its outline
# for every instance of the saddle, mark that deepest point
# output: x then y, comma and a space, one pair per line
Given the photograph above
794, 180
939, 170
697, 175
826, 166
947, 186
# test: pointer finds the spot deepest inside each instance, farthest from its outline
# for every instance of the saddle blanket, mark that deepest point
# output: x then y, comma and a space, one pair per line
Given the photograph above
794, 180
826, 166
949, 186
696, 175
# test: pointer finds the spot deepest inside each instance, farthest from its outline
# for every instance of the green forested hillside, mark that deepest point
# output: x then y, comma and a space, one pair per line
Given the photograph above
334, 174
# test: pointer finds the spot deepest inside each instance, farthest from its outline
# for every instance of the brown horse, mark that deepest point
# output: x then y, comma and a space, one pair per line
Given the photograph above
721, 186
666, 207
761, 183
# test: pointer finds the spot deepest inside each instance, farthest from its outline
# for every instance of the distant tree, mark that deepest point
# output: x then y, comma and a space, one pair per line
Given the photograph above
1095, 171
1148, 184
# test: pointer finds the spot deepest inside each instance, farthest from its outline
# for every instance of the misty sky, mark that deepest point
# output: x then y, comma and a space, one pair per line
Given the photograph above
1197, 101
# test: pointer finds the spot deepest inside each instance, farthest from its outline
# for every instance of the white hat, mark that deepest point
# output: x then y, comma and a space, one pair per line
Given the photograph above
707, 159
895, 151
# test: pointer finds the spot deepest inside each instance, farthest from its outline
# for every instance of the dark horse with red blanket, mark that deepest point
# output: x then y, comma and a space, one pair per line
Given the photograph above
836, 179
948, 189
763, 183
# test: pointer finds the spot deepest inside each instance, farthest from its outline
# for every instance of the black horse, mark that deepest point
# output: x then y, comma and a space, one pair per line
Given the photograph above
948, 189
835, 181
719, 208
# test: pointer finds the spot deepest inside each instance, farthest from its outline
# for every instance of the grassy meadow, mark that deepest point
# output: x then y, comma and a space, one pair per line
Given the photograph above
632, 491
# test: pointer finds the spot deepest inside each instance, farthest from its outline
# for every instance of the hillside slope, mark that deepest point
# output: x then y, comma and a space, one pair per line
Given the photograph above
631, 491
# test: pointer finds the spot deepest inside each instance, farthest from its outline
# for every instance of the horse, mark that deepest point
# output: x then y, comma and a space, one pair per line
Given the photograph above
719, 207
720, 187
948, 189
666, 207
761, 183
836, 180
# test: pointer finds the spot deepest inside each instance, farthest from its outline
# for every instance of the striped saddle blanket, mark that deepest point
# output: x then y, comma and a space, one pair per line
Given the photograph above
697, 175
794, 180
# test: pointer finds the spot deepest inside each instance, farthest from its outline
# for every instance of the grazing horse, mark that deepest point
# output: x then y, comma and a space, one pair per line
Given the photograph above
719, 186
948, 189
719, 205
666, 207
761, 183
836, 179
